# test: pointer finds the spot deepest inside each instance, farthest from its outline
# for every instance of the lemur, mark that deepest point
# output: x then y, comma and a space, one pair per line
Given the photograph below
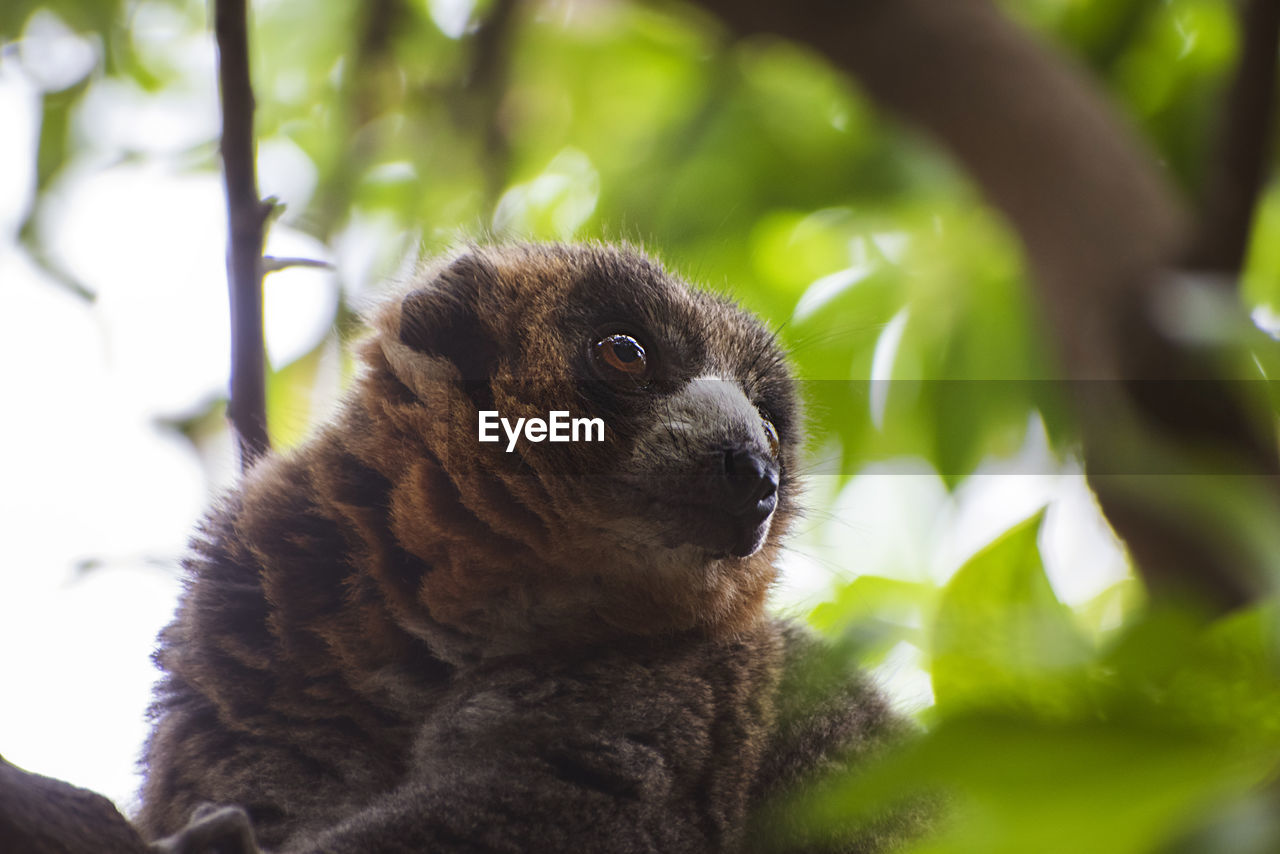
399, 637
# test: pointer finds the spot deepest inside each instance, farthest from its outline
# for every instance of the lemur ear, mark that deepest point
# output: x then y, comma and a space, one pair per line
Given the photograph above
443, 318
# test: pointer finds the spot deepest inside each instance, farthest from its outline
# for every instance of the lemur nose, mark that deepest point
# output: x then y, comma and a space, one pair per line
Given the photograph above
753, 481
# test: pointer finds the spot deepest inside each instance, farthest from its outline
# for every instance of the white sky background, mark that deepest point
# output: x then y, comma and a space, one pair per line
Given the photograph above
88, 475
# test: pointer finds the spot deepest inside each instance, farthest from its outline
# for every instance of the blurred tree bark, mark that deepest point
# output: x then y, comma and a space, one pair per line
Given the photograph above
1104, 234
1245, 136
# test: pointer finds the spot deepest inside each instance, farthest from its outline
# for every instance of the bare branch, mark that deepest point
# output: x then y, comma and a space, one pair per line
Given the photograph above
246, 223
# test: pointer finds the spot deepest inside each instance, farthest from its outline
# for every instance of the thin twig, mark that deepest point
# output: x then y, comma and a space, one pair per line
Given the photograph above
273, 264
246, 223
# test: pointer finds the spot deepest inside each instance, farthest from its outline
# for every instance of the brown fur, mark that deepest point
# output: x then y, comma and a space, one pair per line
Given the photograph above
399, 638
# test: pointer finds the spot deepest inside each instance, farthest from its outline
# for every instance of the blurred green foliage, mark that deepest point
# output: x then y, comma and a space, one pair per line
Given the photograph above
1154, 736
753, 167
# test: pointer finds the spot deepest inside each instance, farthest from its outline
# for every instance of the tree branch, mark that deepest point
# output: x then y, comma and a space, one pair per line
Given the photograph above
1239, 167
1095, 216
1190, 403
247, 216
40, 815
1102, 232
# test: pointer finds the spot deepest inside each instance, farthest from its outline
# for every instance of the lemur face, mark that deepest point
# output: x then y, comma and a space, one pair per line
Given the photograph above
701, 411
683, 491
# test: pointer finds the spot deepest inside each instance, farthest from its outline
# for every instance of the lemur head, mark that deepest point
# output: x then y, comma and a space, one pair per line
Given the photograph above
669, 522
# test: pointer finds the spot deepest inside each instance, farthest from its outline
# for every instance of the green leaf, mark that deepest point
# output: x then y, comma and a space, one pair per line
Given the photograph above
1014, 785
1001, 638
871, 614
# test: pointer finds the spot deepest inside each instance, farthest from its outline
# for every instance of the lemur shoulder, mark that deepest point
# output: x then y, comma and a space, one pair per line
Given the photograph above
400, 638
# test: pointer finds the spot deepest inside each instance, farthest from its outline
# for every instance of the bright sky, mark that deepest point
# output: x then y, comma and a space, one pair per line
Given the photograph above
87, 475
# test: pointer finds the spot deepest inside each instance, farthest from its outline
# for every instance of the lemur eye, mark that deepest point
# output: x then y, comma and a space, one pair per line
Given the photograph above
771, 434
622, 354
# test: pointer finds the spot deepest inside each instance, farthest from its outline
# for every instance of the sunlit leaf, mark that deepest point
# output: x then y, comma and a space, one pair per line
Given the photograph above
1001, 638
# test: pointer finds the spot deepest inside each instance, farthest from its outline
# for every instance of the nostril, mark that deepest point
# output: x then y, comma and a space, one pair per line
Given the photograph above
770, 486
751, 478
